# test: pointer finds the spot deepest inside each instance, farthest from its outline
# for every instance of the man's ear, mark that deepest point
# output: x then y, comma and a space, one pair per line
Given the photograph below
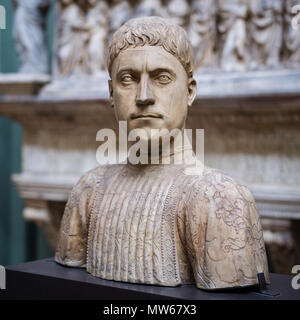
110, 88
192, 91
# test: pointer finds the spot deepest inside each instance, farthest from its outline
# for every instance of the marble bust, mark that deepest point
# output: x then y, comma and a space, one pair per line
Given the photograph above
154, 223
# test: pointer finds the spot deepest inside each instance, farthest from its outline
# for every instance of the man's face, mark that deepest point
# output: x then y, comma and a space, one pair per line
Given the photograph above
150, 89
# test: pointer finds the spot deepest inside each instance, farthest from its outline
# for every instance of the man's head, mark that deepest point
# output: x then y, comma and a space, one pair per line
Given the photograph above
151, 67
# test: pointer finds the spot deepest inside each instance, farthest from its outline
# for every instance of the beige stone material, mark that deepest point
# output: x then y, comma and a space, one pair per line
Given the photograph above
227, 35
160, 224
157, 225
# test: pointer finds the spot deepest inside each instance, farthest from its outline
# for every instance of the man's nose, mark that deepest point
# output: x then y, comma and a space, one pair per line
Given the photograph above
144, 95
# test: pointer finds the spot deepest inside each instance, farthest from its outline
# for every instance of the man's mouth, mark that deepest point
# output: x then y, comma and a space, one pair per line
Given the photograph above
146, 115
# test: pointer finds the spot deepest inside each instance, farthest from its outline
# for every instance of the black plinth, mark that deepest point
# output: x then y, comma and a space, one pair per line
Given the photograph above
45, 279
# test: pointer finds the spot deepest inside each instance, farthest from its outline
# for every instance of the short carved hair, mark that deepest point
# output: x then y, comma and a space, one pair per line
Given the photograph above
152, 31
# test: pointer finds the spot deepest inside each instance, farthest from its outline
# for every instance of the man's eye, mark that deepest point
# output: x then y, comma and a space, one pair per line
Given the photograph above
126, 78
163, 78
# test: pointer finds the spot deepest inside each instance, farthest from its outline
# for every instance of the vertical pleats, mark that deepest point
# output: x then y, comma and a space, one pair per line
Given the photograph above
127, 238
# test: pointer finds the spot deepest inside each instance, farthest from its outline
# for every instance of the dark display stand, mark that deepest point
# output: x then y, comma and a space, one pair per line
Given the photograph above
45, 279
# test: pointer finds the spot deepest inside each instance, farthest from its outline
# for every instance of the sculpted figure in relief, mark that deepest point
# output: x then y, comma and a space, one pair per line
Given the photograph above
96, 21
232, 27
82, 34
30, 35
160, 224
202, 32
119, 12
266, 33
146, 8
177, 11
291, 36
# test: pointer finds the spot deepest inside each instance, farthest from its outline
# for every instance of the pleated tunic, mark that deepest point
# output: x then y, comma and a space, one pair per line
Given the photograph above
163, 225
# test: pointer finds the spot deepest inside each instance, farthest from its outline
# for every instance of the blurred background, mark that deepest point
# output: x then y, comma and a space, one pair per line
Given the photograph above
54, 99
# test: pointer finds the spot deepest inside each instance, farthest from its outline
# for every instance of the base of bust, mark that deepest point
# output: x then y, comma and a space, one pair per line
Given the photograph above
45, 279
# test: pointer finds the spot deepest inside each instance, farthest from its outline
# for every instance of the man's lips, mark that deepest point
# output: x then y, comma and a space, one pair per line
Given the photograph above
146, 115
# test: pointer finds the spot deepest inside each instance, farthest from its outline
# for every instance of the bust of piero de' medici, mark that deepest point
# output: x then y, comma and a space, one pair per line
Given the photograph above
156, 224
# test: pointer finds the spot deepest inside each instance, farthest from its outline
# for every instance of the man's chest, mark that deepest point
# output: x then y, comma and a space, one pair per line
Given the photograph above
133, 228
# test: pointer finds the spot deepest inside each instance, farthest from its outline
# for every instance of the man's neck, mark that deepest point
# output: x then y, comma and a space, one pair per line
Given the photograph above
168, 153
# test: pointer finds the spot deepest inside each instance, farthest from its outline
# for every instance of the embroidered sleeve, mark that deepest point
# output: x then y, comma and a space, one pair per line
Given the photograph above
225, 238
72, 241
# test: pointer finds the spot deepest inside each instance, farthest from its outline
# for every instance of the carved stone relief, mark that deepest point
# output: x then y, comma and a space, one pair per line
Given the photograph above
227, 35
232, 29
81, 38
119, 12
202, 32
30, 36
266, 32
145, 8
291, 37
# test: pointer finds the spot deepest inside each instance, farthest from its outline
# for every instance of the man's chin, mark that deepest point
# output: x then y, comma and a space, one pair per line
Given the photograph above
147, 127
151, 134
144, 133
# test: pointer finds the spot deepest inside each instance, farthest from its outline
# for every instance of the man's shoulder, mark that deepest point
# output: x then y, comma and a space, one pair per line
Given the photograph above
214, 184
226, 203
90, 182
97, 175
